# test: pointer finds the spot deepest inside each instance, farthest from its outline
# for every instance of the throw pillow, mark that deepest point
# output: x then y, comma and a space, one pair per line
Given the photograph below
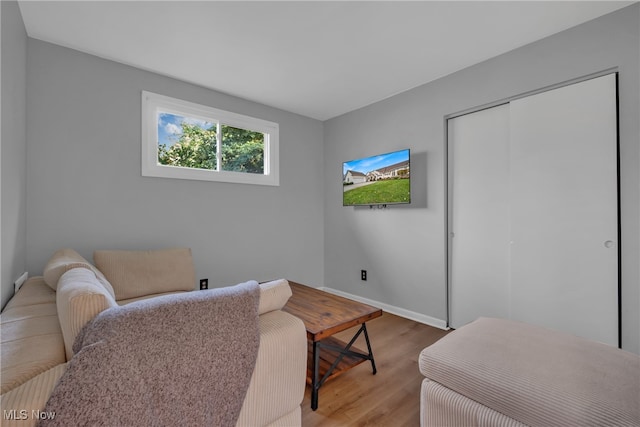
138, 273
67, 259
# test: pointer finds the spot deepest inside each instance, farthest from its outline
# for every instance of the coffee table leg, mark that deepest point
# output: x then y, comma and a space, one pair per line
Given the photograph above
314, 380
366, 338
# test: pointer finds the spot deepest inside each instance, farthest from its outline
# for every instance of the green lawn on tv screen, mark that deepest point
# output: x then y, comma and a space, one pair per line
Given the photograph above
380, 192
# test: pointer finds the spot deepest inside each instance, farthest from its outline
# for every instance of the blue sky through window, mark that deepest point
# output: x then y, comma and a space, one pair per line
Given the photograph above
170, 127
369, 164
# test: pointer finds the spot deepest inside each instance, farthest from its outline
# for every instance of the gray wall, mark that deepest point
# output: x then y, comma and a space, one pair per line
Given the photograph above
14, 147
404, 247
85, 188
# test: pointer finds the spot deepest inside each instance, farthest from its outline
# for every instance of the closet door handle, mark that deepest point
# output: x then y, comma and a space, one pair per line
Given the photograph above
608, 244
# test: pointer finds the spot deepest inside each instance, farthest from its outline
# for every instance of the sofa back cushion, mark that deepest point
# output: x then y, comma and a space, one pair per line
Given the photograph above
80, 298
138, 273
67, 259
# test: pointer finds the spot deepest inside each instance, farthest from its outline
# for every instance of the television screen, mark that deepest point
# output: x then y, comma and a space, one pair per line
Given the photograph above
377, 180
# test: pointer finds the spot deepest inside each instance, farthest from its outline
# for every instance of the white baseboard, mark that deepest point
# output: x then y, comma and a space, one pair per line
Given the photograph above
20, 281
408, 314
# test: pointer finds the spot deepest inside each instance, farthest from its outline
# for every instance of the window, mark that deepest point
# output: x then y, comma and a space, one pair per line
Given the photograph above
184, 140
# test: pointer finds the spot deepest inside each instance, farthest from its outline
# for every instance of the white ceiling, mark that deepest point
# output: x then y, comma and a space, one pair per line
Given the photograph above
317, 59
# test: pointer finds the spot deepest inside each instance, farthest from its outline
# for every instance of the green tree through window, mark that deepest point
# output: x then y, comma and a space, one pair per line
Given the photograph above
195, 147
242, 150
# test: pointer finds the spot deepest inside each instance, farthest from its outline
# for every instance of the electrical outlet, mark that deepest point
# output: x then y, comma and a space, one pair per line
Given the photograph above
204, 284
363, 274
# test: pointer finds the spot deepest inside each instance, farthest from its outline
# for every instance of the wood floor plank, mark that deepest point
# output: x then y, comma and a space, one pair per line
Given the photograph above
389, 398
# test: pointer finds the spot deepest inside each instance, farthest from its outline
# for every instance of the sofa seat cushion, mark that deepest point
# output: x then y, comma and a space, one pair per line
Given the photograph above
27, 400
136, 274
33, 291
537, 376
29, 320
31, 341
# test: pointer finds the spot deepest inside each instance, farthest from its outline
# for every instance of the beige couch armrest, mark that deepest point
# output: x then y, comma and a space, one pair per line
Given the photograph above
273, 295
80, 298
21, 405
279, 378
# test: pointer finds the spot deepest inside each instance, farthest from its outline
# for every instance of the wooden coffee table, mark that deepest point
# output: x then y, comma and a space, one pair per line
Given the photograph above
324, 315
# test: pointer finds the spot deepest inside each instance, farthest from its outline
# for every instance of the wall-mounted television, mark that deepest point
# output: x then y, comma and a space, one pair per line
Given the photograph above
383, 179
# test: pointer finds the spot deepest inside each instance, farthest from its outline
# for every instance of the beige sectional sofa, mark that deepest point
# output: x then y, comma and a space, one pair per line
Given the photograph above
497, 372
40, 323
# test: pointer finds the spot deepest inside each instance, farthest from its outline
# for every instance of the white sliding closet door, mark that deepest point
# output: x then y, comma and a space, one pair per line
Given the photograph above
533, 211
564, 209
479, 214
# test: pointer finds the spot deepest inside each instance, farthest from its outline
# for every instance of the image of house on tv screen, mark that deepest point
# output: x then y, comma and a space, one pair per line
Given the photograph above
377, 180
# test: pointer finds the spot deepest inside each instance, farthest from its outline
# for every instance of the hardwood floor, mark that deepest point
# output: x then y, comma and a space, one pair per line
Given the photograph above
389, 398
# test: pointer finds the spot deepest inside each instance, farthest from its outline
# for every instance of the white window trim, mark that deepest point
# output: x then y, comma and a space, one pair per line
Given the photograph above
152, 102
